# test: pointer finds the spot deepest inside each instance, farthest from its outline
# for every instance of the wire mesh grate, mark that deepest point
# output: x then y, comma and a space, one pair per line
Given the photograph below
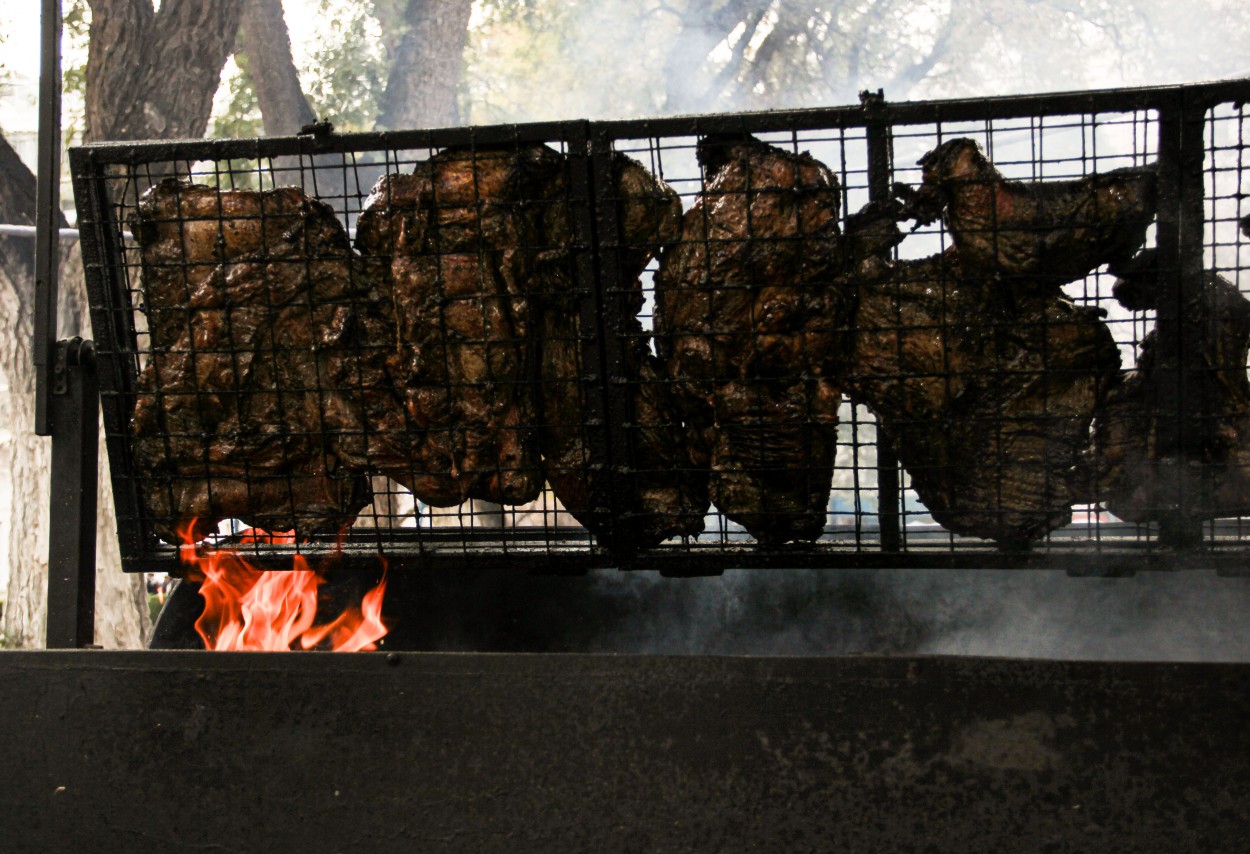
930, 334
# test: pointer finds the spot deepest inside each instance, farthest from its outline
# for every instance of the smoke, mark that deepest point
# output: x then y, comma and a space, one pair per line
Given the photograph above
617, 59
1177, 616
1182, 616
546, 60
1036, 614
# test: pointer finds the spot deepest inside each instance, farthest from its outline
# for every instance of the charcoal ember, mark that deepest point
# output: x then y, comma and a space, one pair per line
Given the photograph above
1152, 465
986, 396
452, 248
1056, 231
750, 333
243, 292
665, 494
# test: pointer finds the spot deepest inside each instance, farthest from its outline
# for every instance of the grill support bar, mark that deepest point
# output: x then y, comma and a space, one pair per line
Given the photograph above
1181, 308
73, 406
47, 208
880, 156
67, 400
689, 752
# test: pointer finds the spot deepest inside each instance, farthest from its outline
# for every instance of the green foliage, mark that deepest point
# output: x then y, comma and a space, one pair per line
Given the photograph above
241, 116
154, 606
547, 59
348, 68
531, 14
76, 15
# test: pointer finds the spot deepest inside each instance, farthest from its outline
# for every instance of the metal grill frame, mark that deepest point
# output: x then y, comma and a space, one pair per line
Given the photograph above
1181, 112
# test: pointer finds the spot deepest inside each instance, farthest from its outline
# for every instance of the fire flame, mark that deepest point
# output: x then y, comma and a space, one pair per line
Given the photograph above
246, 608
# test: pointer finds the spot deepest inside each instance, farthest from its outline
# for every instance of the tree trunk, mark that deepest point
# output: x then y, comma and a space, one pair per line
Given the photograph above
24, 461
153, 75
264, 40
421, 88
121, 607
265, 46
149, 75
17, 207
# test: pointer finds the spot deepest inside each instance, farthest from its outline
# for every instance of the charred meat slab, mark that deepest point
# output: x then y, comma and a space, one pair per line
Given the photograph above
986, 396
247, 295
452, 247
1157, 467
1047, 230
749, 333
665, 493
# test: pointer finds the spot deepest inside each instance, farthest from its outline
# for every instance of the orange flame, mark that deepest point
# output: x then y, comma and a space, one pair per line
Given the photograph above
246, 608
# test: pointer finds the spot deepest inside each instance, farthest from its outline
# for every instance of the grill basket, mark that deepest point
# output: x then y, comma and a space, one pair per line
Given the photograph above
369, 360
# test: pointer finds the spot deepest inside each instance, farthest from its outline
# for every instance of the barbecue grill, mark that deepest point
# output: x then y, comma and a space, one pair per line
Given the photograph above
872, 517
684, 752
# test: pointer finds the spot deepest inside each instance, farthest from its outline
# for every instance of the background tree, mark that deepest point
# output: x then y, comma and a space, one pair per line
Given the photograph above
542, 59
150, 74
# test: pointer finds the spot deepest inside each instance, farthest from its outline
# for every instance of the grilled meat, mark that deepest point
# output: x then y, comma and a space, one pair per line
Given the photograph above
749, 333
987, 399
1054, 231
451, 245
1152, 466
248, 297
665, 493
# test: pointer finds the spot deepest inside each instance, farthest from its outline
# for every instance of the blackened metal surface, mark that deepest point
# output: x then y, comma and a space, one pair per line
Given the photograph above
880, 157
376, 752
75, 465
1114, 556
48, 217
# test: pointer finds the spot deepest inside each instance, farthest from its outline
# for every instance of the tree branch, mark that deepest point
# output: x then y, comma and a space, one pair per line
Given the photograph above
264, 40
902, 82
703, 27
152, 75
421, 89
737, 60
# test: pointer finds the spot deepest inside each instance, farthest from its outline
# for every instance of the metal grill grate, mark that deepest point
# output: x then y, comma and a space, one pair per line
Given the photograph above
765, 339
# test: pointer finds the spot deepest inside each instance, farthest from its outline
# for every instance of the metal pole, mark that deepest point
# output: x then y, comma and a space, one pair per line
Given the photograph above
29, 231
1180, 236
66, 396
75, 464
47, 208
880, 164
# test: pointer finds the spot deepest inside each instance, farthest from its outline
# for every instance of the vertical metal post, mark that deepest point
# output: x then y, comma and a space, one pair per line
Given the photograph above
880, 159
1180, 313
596, 373
614, 329
71, 549
47, 207
66, 396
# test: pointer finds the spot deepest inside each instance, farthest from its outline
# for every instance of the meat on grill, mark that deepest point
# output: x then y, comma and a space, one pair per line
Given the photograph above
664, 494
1053, 230
749, 333
986, 397
452, 247
1154, 466
247, 296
